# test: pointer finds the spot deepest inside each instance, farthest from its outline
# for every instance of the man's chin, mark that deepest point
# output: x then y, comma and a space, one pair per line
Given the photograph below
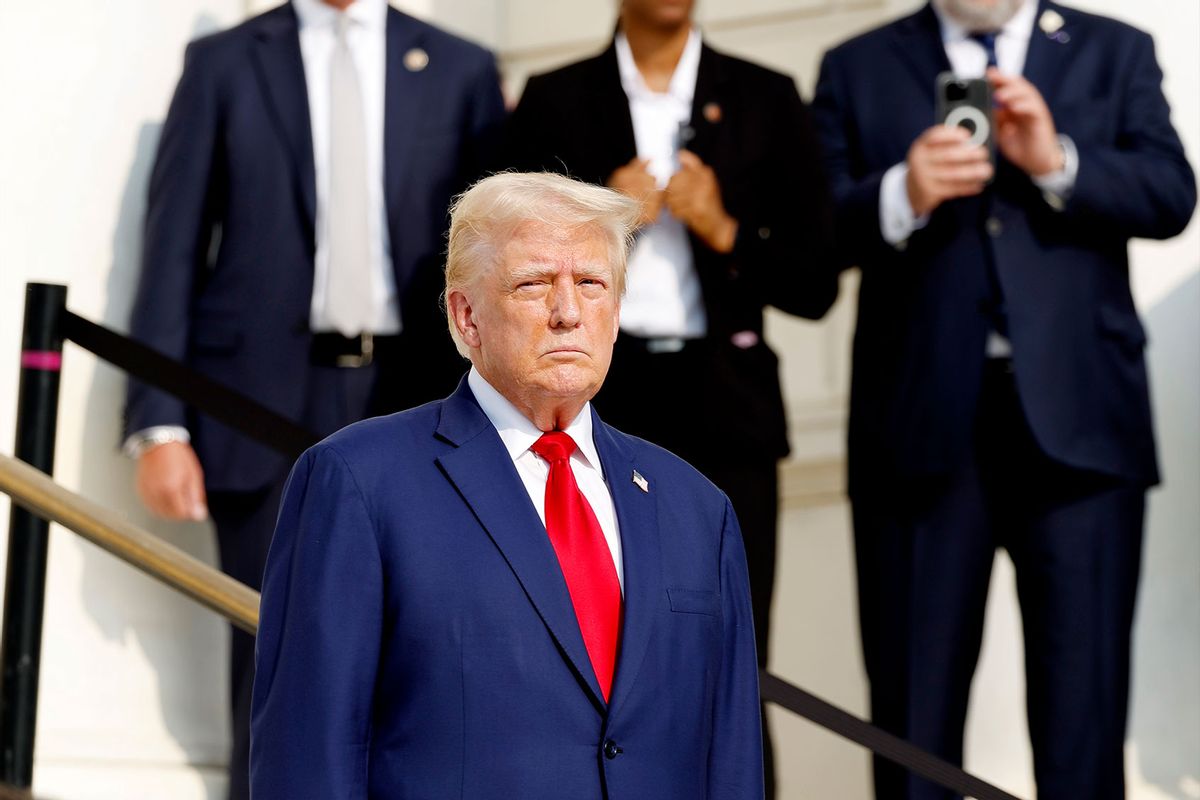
571, 379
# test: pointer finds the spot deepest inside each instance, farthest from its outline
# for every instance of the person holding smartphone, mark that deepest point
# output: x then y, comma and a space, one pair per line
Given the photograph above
999, 393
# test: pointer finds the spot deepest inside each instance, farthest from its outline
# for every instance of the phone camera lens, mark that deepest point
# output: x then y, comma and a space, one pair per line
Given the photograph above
956, 91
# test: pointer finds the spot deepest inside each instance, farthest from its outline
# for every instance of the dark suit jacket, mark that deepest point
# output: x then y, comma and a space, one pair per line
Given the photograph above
226, 282
576, 120
417, 638
922, 310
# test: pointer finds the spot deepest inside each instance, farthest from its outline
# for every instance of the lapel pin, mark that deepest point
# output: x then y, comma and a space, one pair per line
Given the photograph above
1050, 22
641, 482
416, 60
712, 112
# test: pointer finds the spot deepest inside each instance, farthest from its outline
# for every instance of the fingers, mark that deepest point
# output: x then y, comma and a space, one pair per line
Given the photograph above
943, 136
689, 160
1016, 95
194, 497
942, 166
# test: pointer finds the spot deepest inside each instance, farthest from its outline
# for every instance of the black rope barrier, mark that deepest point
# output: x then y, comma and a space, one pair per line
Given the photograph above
215, 399
283, 435
828, 716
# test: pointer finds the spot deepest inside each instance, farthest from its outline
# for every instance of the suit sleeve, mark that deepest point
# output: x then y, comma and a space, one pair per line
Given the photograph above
786, 245
735, 764
318, 642
855, 191
485, 123
526, 146
177, 231
1140, 184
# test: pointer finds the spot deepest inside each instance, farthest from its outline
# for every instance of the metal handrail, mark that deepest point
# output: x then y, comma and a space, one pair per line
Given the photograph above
35, 491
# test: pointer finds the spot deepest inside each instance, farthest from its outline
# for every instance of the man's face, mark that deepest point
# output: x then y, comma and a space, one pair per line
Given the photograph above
541, 324
657, 13
981, 15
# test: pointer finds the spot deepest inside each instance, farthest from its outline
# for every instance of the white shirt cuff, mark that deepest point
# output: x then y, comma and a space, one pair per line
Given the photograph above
896, 219
1057, 186
147, 438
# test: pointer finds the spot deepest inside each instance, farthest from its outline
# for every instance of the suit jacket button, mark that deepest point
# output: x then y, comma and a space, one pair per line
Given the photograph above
764, 233
611, 750
994, 227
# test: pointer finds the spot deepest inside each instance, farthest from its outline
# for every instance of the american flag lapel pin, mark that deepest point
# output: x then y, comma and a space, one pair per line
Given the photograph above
641, 482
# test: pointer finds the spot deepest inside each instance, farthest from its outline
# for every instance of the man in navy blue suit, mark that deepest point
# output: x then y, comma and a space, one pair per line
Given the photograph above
999, 393
497, 595
292, 250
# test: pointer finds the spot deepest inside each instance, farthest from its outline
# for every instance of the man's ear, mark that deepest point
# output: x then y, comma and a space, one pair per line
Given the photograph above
616, 323
464, 317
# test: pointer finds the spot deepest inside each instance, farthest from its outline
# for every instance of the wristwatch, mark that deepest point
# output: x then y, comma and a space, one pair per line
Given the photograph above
139, 443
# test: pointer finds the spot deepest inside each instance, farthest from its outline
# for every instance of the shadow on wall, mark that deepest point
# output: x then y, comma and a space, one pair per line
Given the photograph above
1165, 727
185, 646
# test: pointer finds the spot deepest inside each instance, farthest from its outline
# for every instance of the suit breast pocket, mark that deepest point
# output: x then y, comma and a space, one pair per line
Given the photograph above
694, 601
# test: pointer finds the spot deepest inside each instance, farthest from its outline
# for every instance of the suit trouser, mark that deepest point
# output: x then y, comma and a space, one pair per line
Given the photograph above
245, 522
654, 396
924, 557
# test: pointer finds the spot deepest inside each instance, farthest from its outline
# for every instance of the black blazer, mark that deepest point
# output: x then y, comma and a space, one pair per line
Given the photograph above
758, 138
227, 261
923, 310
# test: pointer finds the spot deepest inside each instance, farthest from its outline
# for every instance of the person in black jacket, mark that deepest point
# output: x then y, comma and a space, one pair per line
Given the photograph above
723, 156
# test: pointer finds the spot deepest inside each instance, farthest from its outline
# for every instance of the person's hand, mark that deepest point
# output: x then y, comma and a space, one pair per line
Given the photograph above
634, 180
942, 166
693, 196
1024, 129
170, 482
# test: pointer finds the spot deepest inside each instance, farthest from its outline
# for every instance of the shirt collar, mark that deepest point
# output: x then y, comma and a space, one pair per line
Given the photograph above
519, 433
1020, 26
371, 14
683, 80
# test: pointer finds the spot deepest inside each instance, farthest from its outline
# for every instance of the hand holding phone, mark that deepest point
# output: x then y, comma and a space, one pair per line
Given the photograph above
967, 103
1024, 128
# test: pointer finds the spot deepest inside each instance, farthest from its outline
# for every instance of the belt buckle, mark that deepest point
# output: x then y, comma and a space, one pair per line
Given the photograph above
670, 344
364, 356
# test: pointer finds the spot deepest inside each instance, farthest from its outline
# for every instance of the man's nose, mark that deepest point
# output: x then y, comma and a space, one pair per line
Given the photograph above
564, 305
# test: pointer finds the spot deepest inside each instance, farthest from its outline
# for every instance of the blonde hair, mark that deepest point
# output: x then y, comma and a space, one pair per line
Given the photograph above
484, 218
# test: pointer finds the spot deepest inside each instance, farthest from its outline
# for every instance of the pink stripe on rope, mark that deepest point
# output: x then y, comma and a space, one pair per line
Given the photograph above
45, 360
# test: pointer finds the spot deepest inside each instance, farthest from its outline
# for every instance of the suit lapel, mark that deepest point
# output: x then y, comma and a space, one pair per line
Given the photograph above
637, 518
711, 106
918, 39
483, 473
614, 124
280, 70
1049, 52
406, 91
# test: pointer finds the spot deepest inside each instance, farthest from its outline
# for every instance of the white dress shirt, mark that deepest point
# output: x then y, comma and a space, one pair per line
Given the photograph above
367, 39
519, 434
662, 290
968, 59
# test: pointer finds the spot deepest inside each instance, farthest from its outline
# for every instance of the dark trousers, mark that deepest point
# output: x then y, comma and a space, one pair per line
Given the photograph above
924, 557
654, 396
245, 522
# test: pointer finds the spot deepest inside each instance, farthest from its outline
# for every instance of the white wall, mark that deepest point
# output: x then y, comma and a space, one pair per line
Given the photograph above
132, 682
132, 701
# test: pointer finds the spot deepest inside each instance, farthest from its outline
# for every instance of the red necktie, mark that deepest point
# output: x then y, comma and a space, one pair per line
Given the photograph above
583, 554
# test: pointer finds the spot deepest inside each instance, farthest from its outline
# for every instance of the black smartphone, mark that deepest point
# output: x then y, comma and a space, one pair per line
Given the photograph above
967, 103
